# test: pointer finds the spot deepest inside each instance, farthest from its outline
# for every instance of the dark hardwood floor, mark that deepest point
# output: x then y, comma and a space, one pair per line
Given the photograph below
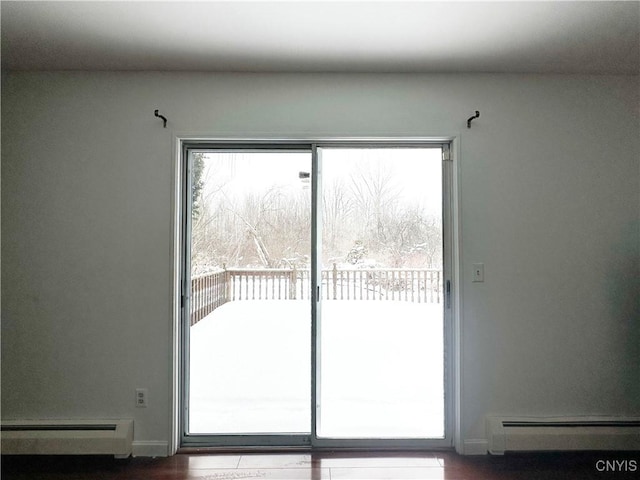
330, 465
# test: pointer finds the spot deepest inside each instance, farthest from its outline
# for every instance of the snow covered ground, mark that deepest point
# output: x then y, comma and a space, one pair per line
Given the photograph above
381, 369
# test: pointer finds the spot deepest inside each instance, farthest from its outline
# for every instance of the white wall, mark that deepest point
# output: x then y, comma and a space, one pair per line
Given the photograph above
550, 202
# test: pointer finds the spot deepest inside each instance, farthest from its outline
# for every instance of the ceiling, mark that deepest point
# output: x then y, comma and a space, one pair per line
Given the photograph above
304, 36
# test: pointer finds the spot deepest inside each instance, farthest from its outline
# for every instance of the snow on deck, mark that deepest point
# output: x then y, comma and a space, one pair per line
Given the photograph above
381, 369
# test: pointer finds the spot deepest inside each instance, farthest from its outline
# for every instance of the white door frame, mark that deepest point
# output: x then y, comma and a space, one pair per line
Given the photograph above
451, 229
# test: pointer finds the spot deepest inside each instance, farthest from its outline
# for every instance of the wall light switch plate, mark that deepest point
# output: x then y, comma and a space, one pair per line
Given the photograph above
478, 272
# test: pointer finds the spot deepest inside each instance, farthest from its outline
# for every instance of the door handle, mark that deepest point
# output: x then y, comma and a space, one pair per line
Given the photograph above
448, 293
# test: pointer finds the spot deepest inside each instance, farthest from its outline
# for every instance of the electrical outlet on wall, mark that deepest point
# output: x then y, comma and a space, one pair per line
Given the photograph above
141, 397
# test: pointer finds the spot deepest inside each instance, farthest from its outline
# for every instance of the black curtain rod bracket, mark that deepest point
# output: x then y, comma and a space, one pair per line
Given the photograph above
164, 119
472, 118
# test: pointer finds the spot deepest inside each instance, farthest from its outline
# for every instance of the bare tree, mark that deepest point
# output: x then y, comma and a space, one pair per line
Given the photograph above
374, 194
337, 207
363, 214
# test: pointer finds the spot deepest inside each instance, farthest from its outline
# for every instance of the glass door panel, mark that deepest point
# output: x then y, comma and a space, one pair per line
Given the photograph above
381, 367
249, 336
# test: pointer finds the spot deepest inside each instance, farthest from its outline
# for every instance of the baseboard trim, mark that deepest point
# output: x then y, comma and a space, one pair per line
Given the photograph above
475, 447
150, 449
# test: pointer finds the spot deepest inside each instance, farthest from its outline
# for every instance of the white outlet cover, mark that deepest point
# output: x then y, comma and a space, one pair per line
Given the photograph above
141, 397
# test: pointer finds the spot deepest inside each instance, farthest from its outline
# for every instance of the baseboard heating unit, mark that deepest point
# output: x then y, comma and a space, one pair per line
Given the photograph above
521, 434
67, 437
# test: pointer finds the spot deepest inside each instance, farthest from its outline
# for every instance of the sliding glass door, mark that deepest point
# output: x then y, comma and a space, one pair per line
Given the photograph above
249, 323
381, 372
314, 295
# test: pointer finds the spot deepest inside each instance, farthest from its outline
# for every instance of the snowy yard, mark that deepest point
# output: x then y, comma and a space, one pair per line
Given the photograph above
381, 369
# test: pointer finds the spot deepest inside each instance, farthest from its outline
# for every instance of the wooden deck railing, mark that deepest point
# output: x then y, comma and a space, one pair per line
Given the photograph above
210, 291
